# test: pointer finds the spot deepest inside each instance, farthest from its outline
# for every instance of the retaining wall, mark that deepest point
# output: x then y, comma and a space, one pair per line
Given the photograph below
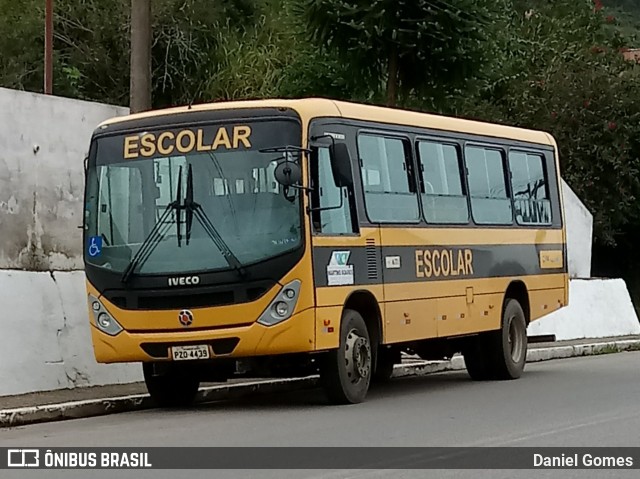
579, 226
44, 140
45, 342
598, 308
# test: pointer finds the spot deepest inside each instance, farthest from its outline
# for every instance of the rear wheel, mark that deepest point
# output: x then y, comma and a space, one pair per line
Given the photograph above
346, 372
511, 356
475, 358
500, 354
169, 385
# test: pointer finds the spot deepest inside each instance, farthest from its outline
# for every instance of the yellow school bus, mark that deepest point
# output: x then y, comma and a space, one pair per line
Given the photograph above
298, 237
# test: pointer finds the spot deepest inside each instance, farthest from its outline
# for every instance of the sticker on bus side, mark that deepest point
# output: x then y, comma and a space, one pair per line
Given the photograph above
551, 259
339, 272
392, 262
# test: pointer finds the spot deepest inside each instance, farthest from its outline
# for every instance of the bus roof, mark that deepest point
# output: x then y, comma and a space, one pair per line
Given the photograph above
309, 108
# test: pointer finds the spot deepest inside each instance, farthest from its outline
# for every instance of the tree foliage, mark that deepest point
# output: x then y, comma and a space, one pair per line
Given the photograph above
565, 75
91, 46
406, 47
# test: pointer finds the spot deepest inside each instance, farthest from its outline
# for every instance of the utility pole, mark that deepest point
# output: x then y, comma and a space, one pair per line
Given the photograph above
48, 47
140, 87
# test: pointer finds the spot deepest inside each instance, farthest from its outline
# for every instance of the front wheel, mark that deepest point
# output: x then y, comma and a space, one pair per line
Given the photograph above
169, 385
346, 371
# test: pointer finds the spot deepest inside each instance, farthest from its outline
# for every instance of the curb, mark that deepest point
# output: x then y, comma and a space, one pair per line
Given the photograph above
138, 402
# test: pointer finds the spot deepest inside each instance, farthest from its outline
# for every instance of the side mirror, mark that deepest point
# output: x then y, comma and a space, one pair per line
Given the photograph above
341, 164
288, 173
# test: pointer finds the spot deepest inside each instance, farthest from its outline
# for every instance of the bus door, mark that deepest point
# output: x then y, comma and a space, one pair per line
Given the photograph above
345, 258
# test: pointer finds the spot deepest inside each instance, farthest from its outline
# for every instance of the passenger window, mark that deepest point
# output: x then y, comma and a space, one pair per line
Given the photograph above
490, 203
443, 197
335, 216
530, 192
387, 178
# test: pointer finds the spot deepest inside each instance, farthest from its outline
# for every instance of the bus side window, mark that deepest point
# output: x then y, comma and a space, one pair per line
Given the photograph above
334, 219
389, 190
490, 202
444, 199
530, 188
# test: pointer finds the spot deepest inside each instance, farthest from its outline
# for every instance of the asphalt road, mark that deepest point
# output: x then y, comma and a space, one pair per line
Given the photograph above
591, 402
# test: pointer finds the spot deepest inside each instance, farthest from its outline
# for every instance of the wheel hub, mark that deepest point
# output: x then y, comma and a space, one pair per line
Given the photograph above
357, 356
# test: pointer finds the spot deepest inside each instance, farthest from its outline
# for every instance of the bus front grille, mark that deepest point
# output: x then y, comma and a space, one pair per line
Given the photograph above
154, 300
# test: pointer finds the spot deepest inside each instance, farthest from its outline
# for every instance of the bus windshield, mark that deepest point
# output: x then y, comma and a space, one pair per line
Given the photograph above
229, 203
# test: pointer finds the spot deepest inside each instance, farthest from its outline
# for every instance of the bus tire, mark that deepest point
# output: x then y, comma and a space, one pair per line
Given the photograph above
171, 386
475, 358
346, 372
510, 345
385, 361
499, 354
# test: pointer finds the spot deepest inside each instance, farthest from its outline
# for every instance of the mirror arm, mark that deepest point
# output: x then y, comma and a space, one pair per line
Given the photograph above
327, 208
301, 188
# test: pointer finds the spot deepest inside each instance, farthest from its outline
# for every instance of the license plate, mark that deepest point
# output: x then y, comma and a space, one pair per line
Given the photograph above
186, 353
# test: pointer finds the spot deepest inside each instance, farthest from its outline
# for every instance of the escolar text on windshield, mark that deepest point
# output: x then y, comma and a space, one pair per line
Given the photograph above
186, 141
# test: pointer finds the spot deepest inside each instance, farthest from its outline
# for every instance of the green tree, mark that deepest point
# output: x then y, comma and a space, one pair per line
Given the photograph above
565, 75
407, 47
91, 46
22, 44
274, 58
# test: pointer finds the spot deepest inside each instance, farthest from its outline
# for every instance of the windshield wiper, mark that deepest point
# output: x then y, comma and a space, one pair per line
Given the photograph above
195, 209
157, 233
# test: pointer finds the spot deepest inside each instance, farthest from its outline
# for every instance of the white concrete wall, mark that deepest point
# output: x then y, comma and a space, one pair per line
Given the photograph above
598, 308
44, 140
45, 342
579, 224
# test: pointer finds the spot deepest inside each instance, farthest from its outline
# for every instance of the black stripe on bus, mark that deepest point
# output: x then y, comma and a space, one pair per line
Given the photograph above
439, 263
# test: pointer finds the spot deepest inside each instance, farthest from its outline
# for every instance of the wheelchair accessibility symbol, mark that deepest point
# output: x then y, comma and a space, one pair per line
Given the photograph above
95, 246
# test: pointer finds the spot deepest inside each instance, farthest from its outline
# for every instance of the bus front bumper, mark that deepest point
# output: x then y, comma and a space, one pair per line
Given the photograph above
295, 335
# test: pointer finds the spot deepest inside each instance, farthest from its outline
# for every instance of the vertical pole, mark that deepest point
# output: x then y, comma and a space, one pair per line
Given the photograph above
140, 87
48, 48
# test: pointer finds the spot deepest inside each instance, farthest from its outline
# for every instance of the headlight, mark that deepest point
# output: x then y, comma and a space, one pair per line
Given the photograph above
102, 319
282, 306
